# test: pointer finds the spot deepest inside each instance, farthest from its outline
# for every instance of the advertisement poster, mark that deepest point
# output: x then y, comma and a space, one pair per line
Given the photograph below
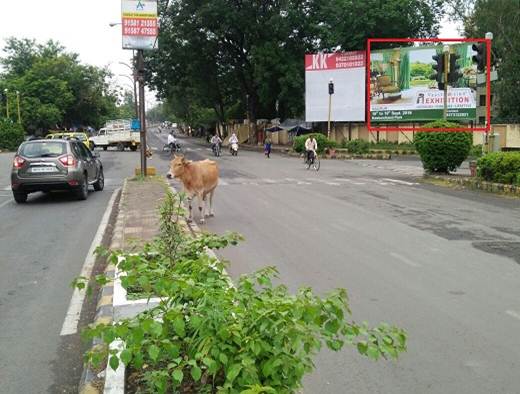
347, 71
139, 21
403, 87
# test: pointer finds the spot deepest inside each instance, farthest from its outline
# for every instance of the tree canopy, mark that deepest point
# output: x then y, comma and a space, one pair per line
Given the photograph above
247, 57
55, 89
501, 17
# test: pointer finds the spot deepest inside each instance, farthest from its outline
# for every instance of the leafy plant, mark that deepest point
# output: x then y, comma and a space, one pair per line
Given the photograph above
442, 151
11, 134
476, 151
321, 139
356, 146
501, 167
208, 336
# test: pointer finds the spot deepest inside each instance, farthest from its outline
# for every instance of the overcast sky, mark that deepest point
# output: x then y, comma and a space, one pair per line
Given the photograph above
82, 26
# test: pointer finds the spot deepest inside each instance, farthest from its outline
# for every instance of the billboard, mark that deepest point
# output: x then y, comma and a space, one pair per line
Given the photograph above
347, 70
403, 88
139, 21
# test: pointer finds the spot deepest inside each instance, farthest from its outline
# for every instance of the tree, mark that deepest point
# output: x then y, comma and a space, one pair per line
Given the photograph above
56, 90
239, 57
501, 17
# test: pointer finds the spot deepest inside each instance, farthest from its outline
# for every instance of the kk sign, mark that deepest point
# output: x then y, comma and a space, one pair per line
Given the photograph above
139, 20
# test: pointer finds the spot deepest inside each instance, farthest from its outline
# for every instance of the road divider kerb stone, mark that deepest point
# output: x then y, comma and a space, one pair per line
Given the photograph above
477, 184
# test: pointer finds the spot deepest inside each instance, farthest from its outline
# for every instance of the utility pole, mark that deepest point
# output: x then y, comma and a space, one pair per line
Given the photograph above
142, 110
331, 92
18, 104
6, 91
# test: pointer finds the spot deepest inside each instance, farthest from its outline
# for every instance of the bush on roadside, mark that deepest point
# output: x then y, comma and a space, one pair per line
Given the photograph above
356, 146
500, 167
475, 152
321, 139
208, 336
11, 134
442, 151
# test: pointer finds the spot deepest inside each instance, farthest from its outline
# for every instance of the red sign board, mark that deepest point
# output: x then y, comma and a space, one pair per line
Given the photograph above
139, 27
333, 61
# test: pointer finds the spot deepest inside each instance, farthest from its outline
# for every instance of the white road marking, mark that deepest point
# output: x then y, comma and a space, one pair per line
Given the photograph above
399, 181
514, 314
223, 183
70, 325
6, 189
404, 260
304, 183
5, 203
332, 183
267, 180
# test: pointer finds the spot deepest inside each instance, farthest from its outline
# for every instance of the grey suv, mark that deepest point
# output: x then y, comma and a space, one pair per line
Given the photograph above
47, 165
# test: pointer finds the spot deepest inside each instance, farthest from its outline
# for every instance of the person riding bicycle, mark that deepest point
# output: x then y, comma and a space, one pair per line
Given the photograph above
172, 142
214, 141
311, 147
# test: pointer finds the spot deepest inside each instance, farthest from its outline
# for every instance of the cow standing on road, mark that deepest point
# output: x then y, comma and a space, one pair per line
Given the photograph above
199, 178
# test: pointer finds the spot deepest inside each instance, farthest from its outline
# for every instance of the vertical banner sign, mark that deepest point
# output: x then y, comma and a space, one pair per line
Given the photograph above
139, 20
347, 70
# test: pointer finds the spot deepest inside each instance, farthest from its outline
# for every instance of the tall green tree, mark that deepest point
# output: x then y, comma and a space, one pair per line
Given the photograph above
56, 90
502, 18
241, 57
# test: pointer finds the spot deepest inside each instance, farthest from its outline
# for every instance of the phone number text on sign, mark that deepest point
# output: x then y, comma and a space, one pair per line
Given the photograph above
139, 27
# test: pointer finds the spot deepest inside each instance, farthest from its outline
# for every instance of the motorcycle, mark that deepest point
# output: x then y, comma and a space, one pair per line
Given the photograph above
233, 149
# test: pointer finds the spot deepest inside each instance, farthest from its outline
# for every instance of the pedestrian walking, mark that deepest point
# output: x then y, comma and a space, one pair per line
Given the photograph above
267, 146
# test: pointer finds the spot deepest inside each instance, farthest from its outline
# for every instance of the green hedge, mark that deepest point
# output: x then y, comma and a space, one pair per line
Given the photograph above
442, 151
11, 135
500, 167
356, 146
322, 140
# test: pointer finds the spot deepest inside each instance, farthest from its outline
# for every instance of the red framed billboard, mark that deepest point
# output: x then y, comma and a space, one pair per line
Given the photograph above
416, 99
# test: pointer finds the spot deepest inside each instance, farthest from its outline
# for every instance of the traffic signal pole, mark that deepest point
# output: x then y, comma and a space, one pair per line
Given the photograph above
446, 71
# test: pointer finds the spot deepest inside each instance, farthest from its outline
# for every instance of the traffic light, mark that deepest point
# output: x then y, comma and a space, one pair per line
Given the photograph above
454, 73
438, 68
331, 87
480, 57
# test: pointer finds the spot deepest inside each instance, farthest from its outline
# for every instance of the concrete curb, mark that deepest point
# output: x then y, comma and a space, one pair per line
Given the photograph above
478, 184
92, 381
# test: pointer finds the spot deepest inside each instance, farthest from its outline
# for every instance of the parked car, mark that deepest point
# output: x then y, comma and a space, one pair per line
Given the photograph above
56, 164
83, 137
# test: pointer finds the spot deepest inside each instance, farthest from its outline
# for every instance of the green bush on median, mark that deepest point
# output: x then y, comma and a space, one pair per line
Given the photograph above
442, 151
208, 336
500, 167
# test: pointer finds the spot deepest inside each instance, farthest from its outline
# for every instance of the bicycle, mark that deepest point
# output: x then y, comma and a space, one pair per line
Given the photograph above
170, 150
314, 162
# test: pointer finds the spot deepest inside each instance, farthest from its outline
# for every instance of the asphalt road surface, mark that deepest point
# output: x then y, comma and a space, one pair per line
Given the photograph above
439, 262
43, 245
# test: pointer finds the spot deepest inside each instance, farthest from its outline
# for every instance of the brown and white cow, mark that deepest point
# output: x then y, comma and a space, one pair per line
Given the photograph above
199, 179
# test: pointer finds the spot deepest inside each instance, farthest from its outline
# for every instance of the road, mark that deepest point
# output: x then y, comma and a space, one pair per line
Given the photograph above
43, 246
439, 262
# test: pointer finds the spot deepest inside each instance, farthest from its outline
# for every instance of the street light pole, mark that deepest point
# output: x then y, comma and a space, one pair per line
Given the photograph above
135, 88
140, 77
6, 91
18, 104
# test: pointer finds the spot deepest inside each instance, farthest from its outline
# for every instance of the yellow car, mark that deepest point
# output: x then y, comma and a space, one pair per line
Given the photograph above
70, 134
